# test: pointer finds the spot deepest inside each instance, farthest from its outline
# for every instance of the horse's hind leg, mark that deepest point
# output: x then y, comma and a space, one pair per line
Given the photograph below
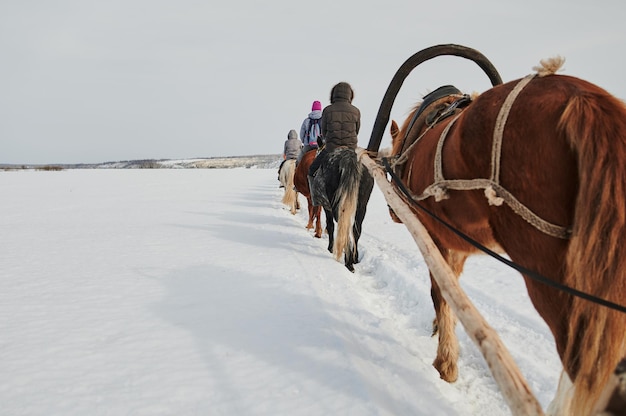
365, 190
613, 399
312, 210
317, 214
330, 228
445, 322
351, 256
351, 253
448, 347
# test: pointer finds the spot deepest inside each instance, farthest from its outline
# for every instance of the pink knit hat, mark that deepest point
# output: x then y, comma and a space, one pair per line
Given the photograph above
316, 106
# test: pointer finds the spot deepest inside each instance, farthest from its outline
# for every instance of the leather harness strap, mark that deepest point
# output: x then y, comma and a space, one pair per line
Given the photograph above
495, 193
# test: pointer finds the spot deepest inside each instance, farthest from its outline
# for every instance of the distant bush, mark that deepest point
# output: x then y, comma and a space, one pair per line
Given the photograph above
11, 168
49, 168
149, 164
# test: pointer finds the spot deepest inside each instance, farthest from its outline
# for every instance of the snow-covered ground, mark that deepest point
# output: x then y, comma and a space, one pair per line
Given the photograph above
195, 292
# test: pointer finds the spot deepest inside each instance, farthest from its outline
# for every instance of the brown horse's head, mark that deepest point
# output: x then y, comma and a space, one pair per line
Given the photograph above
396, 142
396, 147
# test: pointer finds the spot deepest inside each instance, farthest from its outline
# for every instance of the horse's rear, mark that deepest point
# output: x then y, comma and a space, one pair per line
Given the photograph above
347, 186
301, 183
562, 156
290, 198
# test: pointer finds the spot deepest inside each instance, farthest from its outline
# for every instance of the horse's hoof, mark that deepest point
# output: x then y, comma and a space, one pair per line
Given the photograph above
447, 371
350, 267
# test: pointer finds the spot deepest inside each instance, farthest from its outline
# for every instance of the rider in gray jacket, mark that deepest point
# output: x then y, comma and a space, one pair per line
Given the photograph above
292, 146
291, 149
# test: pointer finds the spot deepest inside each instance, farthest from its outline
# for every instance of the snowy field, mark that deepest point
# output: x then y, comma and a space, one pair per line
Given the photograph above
195, 292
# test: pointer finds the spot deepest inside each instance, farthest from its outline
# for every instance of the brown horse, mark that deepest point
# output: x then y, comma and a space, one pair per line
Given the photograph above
302, 185
534, 168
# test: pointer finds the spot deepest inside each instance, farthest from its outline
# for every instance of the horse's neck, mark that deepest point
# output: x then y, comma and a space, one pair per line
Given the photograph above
430, 114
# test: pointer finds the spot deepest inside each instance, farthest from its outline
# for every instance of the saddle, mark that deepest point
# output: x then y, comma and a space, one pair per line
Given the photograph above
436, 106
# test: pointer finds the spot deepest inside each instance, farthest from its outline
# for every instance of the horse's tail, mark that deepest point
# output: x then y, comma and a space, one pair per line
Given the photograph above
345, 201
291, 195
595, 125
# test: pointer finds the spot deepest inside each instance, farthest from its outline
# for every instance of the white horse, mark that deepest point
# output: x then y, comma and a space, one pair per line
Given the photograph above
286, 179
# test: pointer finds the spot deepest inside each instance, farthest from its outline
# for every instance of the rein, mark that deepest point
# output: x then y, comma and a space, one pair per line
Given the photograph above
527, 272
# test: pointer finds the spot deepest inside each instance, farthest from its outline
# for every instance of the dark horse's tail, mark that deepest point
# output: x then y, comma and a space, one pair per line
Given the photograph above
345, 200
595, 125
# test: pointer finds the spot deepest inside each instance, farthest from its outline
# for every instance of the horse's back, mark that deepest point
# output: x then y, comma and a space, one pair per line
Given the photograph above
532, 160
539, 157
562, 151
536, 163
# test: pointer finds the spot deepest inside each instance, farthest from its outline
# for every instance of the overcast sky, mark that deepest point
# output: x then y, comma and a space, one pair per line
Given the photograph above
86, 81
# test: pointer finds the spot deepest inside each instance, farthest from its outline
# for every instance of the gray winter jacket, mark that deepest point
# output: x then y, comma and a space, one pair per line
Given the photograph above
292, 146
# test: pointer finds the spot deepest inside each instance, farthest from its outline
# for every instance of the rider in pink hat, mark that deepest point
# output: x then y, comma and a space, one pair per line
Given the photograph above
310, 131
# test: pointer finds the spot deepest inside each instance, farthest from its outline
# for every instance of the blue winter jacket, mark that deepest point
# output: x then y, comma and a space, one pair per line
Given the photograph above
306, 124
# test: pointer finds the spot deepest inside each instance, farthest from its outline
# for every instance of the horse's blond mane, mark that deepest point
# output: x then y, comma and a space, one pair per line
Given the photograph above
549, 66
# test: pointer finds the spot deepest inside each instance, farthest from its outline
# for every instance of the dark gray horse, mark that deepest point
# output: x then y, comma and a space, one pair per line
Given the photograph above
342, 186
